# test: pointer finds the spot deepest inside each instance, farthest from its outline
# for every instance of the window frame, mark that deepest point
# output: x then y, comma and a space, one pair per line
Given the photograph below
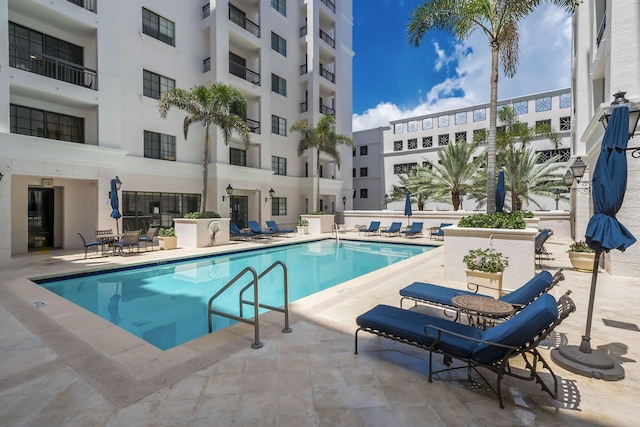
237, 157
280, 6
278, 44
74, 125
279, 165
278, 85
156, 24
166, 146
278, 125
278, 206
162, 82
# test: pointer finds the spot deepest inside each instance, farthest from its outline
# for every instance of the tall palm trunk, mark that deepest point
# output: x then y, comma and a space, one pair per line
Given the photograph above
319, 208
205, 169
493, 113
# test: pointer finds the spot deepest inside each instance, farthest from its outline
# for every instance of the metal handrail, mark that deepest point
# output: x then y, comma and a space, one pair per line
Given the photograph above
331, 5
90, 5
327, 38
335, 228
244, 73
52, 67
238, 17
285, 308
255, 321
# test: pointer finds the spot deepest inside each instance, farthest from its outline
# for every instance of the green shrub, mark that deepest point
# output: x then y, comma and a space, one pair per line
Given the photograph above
317, 213
167, 232
512, 221
580, 246
201, 215
487, 260
303, 222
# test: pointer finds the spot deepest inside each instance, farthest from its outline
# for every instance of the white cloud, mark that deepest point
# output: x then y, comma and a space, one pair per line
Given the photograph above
545, 64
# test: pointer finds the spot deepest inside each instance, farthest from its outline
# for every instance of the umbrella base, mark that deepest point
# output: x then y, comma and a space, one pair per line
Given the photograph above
596, 364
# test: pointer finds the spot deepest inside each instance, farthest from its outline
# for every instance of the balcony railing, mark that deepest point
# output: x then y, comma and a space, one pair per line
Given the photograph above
303, 31
327, 74
244, 73
601, 28
304, 107
327, 38
54, 68
327, 111
206, 11
206, 65
90, 5
238, 17
254, 126
303, 69
331, 5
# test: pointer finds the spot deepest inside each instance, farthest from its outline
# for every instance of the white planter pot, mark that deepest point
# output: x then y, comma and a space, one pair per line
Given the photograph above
582, 261
488, 280
320, 223
196, 233
170, 242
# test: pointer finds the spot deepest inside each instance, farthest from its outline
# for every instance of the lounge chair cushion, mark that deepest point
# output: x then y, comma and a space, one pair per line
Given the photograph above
410, 325
433, 293
518, 330
527, 292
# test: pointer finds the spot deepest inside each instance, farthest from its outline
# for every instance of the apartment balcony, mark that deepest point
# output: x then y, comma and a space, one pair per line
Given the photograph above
327, 111
331, 5
244, 73
254, 125
206, 65
52, 67
304, 107
303, 69
206, 11
239, 18
303, 31
328, 39
327, 74
90, 5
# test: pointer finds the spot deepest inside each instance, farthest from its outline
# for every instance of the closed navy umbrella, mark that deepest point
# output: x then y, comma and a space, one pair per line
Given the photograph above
407, 207
115, 204
604, 232
500, 192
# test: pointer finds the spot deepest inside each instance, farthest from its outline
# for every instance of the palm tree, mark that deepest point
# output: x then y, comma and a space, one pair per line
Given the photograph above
533, 177
417, 187
452, 176
498, 20
220, 105
323, 138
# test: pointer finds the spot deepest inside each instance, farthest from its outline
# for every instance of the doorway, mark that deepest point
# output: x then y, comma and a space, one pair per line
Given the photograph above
40, 218
240, 210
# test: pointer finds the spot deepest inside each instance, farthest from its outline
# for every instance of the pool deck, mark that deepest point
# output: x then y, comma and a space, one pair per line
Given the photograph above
63, 366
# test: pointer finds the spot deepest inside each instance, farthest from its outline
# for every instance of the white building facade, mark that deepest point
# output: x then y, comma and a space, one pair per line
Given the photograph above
415, 141
79, 83
606, 60
368, 169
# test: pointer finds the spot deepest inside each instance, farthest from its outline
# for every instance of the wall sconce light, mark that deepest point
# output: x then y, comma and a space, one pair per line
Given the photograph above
229, 191
634, 115
1, 176
271, 193
344, 202
118, 183
576, 172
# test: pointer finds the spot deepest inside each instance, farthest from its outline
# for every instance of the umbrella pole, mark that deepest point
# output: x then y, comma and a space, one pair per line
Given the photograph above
582, 359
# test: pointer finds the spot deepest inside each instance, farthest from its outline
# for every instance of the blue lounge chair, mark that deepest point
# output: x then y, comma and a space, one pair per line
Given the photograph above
128, 241
441, 296
255, 228
374, 228
148, 238
394, 229
93, 244
415, 230
274, 227
236, 234
439, 234
491, 348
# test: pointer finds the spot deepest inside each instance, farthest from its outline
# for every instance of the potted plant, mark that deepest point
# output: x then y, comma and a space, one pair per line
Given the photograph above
303, 226
581, 256
485, 268
167, 238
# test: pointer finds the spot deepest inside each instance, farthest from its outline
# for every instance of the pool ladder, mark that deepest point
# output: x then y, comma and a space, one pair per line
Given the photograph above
255, 303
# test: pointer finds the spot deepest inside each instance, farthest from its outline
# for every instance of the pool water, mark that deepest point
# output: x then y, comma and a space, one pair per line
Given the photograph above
166, 304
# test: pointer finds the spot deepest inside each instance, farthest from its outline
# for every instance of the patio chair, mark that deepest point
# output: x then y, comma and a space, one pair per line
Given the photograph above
441, 296
374, 228
274, 227
236, 234
540, 250
439, 233
255, 228
93, 244
148, 238
393, 230
129, 240
491, 348
415, 230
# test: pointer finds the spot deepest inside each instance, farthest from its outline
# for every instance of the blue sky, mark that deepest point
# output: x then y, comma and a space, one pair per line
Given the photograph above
393, 80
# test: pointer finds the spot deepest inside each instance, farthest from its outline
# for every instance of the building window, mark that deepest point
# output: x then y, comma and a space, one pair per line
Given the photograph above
412, 126
480, 136
279, 165
159, 146
278, 44
280, 6
237, 157
364, 172
45, 124
543, 125
403, 168
443, 139
443, 121
158, 27
398, 128
543, 104
565, 100
397, 145
461, 137
364, 193
521, 107
565, 123
278, 125
353, 153
141, 210
426, 164
427, 123
461, 118
353, 172
412, 144
564, 153
278, 85
364, 150
427, 141
278, 206
155, 85
480, 115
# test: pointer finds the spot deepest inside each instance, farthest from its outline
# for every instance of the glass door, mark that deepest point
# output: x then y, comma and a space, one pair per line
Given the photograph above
40, 211
240, 210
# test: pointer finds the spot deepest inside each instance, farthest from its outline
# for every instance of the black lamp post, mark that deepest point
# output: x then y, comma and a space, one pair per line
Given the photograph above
271, 193
344, 203
556, 196
229, 191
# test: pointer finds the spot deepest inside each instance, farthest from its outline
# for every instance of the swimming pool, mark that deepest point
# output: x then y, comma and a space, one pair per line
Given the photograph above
165, 304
